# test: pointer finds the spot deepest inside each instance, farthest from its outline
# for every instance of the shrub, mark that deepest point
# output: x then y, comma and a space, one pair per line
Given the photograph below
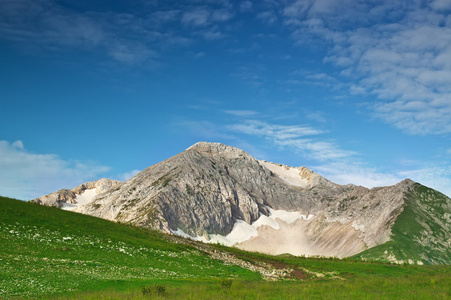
226, 283
158, 289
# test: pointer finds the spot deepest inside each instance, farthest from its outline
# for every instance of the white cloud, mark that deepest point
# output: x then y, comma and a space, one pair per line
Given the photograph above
356, 173
436, 176
441, 5
241, 113
26, 175
276, 132
268, 17
196, 17
246, 6
201, 129
433, 175
131, 52
47, 23
317, 149
127, 175
203, 16
211, 35
131, 39
296, 137
253, 75
161, 18
399, 52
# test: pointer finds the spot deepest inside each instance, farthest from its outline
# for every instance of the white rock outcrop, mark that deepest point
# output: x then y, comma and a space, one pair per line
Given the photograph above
82, 194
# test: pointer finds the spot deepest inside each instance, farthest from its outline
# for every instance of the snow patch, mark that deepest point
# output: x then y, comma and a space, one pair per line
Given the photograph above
181, 233
84, 198
243, 231
288, 174
288, 216
268, 221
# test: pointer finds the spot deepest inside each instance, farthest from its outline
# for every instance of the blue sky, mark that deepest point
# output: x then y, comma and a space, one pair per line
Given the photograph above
358, 91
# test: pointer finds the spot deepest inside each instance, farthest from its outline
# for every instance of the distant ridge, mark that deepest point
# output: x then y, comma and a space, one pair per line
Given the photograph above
70, 199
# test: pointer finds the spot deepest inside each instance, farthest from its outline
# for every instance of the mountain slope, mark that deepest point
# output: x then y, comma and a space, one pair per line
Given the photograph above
80, 195
421, 233
44, 250
217, 193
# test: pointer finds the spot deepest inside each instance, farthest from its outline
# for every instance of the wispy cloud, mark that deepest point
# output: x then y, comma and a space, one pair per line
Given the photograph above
429, 173
28, 175
163, 17
52, 25
267, 17
204, 130
127, 175
197, 17
346, 172
441, 5
246, 6
253, 74
280, 132
241, 113
434, 175
297, 137
397, 51
132, 38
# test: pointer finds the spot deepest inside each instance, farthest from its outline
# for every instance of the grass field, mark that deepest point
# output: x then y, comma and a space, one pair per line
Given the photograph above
49, 253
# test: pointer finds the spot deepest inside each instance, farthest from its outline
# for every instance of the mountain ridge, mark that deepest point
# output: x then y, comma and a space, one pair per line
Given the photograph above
69, 196
219, 193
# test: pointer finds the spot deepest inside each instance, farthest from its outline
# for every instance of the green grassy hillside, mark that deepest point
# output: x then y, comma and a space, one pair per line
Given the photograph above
421, 234
47, 252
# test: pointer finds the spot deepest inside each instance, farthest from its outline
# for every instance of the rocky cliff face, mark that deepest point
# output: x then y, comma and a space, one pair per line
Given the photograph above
205, 189
65, 196
218, 193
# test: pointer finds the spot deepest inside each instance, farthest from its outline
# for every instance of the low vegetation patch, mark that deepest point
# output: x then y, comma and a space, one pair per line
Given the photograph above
155, 289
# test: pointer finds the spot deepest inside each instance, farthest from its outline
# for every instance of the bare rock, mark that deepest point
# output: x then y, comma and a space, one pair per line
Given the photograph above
68, 196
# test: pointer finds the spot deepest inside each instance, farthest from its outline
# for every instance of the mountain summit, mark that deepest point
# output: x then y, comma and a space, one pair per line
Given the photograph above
218, 193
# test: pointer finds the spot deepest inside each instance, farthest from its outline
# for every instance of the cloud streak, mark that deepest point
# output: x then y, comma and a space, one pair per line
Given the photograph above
356, 173
399, 52
28, 175
298, 137
138, 37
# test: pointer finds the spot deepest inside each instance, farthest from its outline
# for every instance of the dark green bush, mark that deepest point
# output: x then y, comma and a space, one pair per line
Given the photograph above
157, 289
226, 283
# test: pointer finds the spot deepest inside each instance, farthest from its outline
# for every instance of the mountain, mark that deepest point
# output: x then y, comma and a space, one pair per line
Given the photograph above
80, 195
217, 193
422, 232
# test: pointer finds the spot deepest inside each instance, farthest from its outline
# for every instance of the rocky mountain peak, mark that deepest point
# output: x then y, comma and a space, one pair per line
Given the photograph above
214, 192
218, 149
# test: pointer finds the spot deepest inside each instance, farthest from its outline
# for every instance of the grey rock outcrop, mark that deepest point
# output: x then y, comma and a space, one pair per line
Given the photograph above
68, 196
